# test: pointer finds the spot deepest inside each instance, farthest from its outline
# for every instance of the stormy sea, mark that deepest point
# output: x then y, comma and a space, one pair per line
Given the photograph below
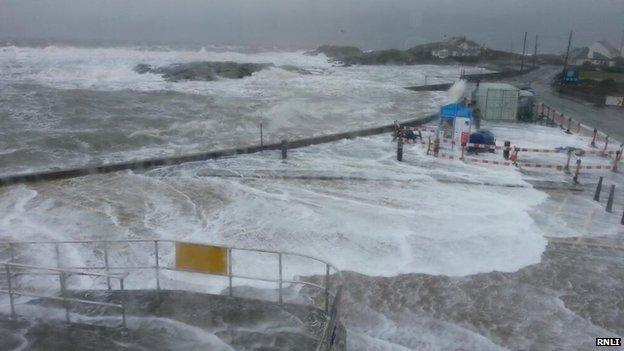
435, 256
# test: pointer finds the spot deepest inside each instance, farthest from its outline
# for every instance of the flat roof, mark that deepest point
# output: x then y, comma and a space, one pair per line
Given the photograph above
498, 86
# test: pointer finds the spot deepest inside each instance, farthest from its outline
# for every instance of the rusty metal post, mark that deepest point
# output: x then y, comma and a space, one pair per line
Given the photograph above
618, 155
567, 166
578, 171
429, 145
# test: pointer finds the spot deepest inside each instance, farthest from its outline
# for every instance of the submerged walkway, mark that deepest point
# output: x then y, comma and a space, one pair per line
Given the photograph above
142, 165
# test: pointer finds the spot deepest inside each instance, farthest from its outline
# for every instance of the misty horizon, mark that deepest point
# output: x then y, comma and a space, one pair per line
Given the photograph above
368, 24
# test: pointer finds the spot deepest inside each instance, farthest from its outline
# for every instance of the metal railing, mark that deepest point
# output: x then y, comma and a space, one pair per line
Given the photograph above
106, 265
11, 270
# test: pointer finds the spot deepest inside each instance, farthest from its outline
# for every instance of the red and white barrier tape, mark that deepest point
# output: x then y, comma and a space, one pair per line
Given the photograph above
522, 164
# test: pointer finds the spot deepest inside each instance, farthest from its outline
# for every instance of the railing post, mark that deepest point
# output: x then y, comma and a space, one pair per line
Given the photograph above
593, 142
157, 258
108, 282
604, 151
12, 252
280, 277
123, 302
229, 253
261, 137
326, 288
10, 287
63, 283
57, 249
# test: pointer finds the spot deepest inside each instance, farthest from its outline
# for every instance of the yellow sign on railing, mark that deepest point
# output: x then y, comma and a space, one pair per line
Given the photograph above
201, 258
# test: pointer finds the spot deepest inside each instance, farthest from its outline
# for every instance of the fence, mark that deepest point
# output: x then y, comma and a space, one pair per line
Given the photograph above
571, 125
513, 151
14, 270
162, 255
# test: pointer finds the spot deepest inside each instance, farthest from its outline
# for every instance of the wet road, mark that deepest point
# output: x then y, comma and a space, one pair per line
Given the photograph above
607, 119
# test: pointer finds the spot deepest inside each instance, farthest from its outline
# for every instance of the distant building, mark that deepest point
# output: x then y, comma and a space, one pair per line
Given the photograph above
456, 47
600, 53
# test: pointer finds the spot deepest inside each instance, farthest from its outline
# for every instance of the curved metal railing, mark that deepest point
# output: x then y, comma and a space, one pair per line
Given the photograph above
106, 265
12, 270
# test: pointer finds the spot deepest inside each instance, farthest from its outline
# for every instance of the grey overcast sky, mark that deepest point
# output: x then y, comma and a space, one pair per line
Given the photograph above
370, 24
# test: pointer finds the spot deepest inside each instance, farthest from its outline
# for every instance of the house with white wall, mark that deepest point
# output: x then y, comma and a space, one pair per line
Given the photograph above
600, 53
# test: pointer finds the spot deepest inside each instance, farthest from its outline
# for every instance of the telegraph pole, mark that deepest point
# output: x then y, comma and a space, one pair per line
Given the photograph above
622, 45
535, 52
567, 56
523, 52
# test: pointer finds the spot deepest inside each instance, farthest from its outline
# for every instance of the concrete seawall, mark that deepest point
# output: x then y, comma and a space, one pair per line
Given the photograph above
498, 75
431, 87
141, 165
474, 78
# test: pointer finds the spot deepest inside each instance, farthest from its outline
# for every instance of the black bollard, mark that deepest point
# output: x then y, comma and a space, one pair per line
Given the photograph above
400, 149
610, 200
598, 190
569, 125
284, 149
506, 150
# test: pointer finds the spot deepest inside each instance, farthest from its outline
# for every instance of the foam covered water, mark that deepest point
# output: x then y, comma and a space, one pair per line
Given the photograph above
68, 106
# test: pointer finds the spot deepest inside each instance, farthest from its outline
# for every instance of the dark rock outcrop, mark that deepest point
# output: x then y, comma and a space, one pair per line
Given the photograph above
209, 71
337, 53
204, 70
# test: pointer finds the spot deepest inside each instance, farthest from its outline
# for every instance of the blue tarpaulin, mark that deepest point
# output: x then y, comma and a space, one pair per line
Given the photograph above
455, 110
